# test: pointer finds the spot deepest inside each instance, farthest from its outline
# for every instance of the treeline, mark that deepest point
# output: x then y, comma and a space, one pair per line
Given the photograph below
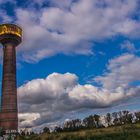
97, 121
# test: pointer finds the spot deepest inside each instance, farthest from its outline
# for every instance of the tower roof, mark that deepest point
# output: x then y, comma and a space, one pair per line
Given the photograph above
10, 29
10, 33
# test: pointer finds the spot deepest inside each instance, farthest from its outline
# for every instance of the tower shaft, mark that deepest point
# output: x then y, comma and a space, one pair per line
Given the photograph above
9, 119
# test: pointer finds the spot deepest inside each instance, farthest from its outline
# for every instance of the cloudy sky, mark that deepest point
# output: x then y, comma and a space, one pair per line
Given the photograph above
78, 57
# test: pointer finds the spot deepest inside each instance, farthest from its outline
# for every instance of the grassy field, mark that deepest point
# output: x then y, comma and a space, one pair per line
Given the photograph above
125, 132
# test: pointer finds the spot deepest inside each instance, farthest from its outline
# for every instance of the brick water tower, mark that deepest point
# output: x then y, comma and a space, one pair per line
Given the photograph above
10, 37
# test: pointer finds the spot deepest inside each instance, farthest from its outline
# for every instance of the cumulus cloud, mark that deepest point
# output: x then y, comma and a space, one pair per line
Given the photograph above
130, 47
51, 99
4, 17
121, 71
72, 28
57, 3
6, 1
26, 119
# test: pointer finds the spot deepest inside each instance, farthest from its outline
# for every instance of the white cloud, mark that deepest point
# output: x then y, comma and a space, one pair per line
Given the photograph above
56, 3
6, 1
53, 30
130, 47
51, 99
26, 119
4, 16
121, 71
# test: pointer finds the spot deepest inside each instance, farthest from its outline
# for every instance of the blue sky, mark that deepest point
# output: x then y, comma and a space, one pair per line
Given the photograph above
77, 57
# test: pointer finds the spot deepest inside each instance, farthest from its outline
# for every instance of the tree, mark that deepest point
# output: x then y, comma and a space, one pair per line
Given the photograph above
2, 132
129, 118
89, 122
22, 132
32, 133
108, 119
72, 125
126, 117
58, 129
97, 119
46, 130
137, 114
115, 118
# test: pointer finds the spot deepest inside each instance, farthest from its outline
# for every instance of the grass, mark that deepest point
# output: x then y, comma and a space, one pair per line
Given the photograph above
125, 132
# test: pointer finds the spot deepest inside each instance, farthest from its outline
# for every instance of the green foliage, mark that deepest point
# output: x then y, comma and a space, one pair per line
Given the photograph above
89, 122
91, 128
2, 132
125, 132
46, 130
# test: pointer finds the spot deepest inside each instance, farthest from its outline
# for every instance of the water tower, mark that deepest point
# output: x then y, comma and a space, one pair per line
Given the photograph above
10, 38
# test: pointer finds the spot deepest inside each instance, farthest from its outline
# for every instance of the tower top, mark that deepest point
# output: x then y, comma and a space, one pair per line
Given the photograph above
10, 33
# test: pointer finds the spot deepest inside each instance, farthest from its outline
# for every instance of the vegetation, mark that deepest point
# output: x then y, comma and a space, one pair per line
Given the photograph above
122, 125
125, 132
